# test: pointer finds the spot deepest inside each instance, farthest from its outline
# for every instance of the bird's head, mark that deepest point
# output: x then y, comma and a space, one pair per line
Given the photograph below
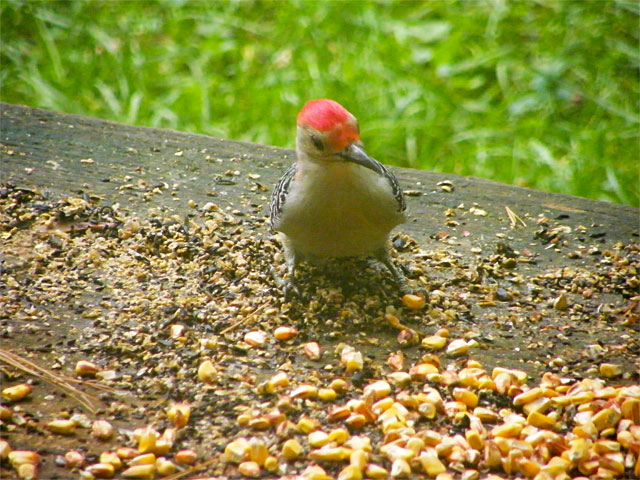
327, 132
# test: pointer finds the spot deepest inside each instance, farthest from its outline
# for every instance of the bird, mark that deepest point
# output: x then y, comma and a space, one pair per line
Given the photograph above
335, 200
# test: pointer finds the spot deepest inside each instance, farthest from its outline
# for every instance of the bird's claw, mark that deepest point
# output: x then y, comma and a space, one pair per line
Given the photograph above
291, 290
406, 289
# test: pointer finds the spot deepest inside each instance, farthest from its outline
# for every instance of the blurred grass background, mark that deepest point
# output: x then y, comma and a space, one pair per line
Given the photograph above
541, 93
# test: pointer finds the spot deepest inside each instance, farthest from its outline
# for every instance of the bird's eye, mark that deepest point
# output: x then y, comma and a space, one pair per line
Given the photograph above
317, 142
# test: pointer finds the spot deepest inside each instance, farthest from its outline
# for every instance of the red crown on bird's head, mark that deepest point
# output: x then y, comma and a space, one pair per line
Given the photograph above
329, 117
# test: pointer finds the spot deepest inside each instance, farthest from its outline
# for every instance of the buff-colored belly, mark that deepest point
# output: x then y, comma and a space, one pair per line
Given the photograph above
345, 213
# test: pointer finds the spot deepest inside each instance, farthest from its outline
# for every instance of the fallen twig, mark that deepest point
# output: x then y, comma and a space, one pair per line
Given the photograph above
514, 218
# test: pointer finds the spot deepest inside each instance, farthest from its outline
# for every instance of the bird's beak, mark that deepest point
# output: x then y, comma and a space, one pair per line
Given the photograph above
355, 154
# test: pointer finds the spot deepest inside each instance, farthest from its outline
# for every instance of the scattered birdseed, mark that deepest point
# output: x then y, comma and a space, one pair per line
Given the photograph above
178, 314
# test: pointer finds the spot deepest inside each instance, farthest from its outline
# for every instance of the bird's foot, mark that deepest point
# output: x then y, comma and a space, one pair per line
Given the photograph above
399, 277
419, 291
291, 290
287, 285
406, 289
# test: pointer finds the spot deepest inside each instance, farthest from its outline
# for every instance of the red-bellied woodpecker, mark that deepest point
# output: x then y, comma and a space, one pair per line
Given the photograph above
335, 201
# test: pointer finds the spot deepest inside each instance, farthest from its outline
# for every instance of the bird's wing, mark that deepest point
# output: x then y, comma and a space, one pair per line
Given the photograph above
279, 195
395, 186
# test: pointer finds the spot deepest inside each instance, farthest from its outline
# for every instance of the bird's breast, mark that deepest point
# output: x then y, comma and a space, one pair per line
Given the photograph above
338, 210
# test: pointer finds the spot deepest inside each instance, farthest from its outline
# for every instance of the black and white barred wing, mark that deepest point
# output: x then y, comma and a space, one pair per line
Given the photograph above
395, 187
279, 195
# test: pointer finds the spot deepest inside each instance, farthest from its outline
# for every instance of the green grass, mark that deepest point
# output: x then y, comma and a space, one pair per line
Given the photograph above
535, 93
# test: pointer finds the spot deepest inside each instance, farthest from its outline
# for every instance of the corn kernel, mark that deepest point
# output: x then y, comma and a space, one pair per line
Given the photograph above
188, 457
339, 435
249, 469
350, 472
541, 420
400, 469
111, 458
420, 371
430, 463
101, 470
102, 429
72, 459
434, 342
207, 372
414, 302
378, 390
147, 440
457, 347
237, 451
16, 392
358, 459
127, 453
376, 471
86, 369
330, 454
19, 457
62, 426
312, 350
305, 391
179, 414
271, 463
306, 424
165, 467
507, 430
318, 438
140, 471
475, 440
527, 396
327, 394
610, 370
255, 338
469, 398
339, 385
258, 452
285, 333
606, 418
356, 420
144, 459
27, 471
291, 449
